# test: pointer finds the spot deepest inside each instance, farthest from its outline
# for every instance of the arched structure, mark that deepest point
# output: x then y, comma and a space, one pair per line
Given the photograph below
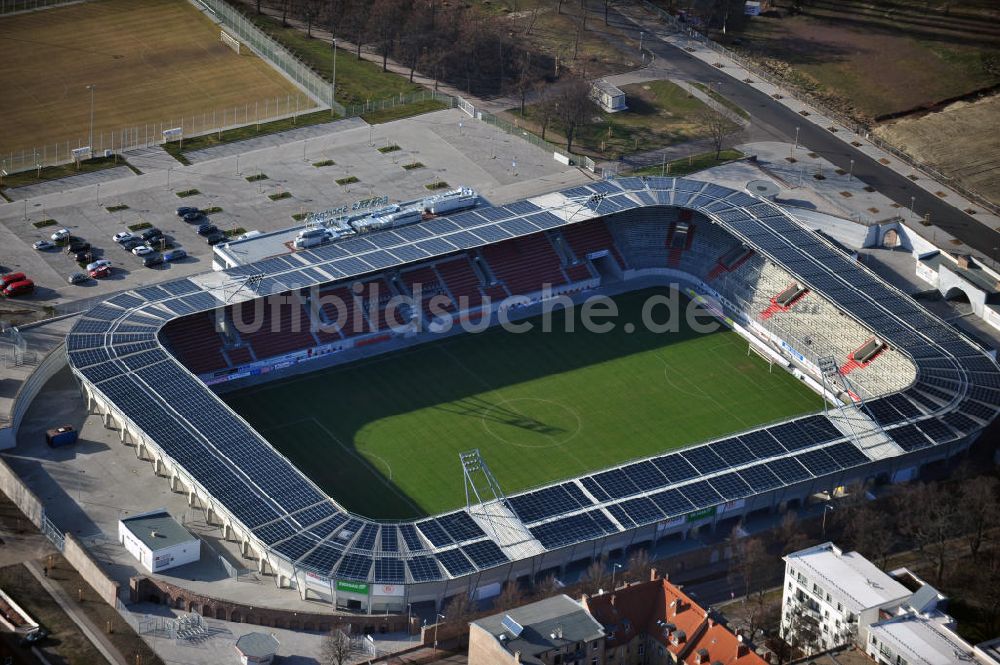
314, 545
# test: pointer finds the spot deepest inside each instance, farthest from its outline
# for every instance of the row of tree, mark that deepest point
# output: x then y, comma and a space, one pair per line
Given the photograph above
481, 52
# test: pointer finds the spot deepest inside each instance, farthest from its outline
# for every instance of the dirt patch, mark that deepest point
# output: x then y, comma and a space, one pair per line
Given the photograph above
152, 62
960, 141
924, 54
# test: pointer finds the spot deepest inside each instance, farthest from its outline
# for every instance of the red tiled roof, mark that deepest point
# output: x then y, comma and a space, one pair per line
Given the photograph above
660, 610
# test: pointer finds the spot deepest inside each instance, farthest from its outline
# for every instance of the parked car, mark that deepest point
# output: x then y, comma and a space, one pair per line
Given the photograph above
61, 234
174, 254
100, 263
149, 234
84, 255
142, 250
12, 277
43, 244
193, 216
215, 237
207, 229
78, 278
132, 243
77, 245
122, 236
100, 272
153, 259
20, 288
184, 210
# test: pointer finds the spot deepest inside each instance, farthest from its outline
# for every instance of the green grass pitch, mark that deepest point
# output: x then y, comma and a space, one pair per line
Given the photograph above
383, 435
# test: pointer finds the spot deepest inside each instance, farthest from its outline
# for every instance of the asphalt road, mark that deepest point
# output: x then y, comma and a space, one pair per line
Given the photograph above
776, 120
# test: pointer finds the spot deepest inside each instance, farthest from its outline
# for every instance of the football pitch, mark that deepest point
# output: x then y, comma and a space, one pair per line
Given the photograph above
383, 435
152, 61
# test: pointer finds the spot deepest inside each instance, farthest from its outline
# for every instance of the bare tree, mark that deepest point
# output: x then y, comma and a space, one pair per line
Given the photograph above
574, 107
930, 516
548, 587
384, 22
459, 609
980, 510
595, 575
336, 648
718, 127
546, 106
637, 567
523, 79
748, 565
510, 597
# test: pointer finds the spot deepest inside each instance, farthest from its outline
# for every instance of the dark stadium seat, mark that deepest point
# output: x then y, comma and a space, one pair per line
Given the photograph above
591, 237
525, 264
195, 341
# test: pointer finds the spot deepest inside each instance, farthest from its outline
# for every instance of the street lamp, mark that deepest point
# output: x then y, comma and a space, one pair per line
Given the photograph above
333, 84
90, 141
913, 202
796, 138
826, 508
614, 569
436, 623
850, 171
641, 35
409, 621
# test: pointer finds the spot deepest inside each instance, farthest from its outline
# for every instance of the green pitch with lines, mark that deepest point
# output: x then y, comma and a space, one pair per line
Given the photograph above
382, 435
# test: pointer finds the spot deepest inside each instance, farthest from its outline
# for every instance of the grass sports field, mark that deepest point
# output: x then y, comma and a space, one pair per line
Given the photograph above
152, 61
383, 435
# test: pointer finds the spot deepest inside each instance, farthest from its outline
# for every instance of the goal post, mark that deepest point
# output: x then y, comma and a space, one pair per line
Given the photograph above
230, 41
763, 356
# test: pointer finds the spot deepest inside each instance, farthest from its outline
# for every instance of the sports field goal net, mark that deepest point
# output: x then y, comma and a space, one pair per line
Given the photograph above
230, 41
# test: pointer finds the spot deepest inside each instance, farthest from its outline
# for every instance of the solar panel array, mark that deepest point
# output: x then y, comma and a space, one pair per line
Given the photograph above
116, 349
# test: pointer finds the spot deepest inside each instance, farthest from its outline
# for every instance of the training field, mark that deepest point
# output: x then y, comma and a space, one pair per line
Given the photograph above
152, 61
382, 436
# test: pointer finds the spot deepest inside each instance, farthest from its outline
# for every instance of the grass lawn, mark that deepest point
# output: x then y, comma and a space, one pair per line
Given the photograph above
692, 164
65, 638
659, 114
358, 81
383, 435
881, 59
405, 111
34, 176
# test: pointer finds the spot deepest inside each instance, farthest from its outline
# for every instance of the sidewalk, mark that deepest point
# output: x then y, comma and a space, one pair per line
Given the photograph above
92, 632
644, 19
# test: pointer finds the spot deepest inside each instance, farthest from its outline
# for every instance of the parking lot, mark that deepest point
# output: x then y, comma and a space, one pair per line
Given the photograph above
261, 189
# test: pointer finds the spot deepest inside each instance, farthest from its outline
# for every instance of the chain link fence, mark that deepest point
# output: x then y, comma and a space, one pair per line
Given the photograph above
846, 121
11, 6
266, 47
110, 142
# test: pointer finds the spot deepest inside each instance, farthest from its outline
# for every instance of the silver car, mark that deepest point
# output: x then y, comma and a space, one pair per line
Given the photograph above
43, 245
78, 277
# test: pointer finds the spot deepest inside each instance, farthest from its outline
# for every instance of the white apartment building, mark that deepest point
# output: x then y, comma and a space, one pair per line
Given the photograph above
841, 593
895, 618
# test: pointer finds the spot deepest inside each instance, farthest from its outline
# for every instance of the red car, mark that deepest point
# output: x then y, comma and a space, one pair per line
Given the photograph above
19, 288
10, 278
101, 272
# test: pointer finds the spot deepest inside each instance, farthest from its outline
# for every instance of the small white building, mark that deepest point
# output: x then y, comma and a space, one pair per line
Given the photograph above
158, 541
609, 97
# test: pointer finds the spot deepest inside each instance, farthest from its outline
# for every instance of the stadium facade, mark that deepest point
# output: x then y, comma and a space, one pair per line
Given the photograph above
904, 388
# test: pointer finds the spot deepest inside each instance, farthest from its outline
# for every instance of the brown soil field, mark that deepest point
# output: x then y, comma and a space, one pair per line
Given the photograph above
880, 58
152, 61
961, 141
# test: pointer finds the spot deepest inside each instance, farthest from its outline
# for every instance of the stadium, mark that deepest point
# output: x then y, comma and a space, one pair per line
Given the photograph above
901, 388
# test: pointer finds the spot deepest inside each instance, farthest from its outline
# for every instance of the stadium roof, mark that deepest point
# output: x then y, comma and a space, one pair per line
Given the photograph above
115, 348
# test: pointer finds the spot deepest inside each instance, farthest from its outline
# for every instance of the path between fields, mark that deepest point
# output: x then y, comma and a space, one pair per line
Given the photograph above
93, 633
